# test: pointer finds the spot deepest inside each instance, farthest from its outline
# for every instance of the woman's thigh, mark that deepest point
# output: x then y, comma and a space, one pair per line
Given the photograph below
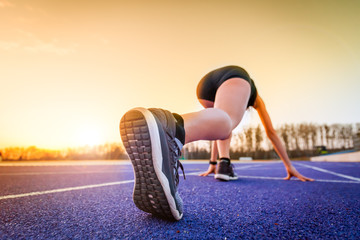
232, 97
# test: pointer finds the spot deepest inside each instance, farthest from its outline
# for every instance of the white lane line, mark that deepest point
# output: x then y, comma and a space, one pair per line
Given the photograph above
64, 189
248, 166
237, 168
73, 188
89, 172
192, 173
233, 161
330, 172
316, 180
60, 173
336, 181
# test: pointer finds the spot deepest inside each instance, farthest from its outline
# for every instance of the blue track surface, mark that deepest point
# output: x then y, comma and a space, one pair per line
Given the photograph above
257, 206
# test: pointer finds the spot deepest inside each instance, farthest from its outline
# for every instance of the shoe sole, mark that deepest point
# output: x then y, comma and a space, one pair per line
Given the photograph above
224, 177
140, 135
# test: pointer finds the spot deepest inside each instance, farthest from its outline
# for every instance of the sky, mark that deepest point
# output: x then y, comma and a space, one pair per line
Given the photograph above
70, 69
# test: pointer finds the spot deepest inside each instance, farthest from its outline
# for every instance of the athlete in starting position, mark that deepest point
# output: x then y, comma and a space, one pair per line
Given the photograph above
153, 138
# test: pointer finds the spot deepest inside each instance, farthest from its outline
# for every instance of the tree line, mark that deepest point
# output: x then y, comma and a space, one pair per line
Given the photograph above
300, 141
105, 151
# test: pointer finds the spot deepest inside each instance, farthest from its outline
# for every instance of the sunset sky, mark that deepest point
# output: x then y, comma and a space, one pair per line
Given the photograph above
70, 69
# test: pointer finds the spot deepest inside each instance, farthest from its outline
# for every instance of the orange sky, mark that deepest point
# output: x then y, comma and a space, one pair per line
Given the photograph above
70, 69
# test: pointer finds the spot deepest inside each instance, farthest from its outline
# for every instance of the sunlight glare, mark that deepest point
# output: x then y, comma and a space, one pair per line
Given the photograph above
88, 135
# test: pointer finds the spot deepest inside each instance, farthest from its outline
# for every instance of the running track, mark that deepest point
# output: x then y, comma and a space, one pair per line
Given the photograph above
93, 201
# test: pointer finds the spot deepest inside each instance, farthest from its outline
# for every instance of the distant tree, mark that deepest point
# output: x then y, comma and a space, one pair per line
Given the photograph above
295, 137
304, 134
346, 135
327, 135
313, 131
258, 138
242, 141
322, 134
284, 133
249, 139
357, 127
334, 135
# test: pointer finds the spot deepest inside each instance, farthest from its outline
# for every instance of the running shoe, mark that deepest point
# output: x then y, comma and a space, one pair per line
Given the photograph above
225, 171
149, 138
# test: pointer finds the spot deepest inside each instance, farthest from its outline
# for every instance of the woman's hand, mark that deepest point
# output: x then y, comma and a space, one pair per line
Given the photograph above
211, 169
292, 172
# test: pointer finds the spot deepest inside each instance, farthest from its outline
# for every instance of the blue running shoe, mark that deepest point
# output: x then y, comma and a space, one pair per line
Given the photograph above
149, 138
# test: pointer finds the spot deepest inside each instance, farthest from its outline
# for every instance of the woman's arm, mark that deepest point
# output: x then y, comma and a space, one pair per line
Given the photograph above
275, 140
213, 158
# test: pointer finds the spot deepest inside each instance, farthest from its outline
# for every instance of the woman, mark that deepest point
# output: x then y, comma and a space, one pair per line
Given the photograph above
206, 92
153, 138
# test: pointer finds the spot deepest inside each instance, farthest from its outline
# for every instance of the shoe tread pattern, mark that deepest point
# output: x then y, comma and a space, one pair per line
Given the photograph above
148, 193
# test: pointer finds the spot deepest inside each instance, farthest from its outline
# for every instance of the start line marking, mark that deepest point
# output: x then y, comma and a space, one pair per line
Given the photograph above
316, 180
64, 189
330, 172
73, 188
130, 181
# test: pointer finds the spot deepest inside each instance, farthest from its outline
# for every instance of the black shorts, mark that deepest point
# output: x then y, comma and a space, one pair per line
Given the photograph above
210, 83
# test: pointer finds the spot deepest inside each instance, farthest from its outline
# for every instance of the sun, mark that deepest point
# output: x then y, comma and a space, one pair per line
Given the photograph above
88, 135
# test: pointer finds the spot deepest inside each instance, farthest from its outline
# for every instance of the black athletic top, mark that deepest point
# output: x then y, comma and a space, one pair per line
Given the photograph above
210, 83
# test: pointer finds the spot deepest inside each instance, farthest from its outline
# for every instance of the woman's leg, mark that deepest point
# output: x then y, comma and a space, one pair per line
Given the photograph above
225, 144
207, 124
239, 90
218, 122
223, 147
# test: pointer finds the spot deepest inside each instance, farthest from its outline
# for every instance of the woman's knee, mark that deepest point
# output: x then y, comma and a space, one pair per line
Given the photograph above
224, 124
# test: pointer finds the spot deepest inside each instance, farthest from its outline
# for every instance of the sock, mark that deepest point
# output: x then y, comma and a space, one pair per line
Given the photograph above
180, 130
225, 159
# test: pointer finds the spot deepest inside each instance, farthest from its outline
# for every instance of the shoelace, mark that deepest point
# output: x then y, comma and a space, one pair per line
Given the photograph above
175, 162
177, 172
